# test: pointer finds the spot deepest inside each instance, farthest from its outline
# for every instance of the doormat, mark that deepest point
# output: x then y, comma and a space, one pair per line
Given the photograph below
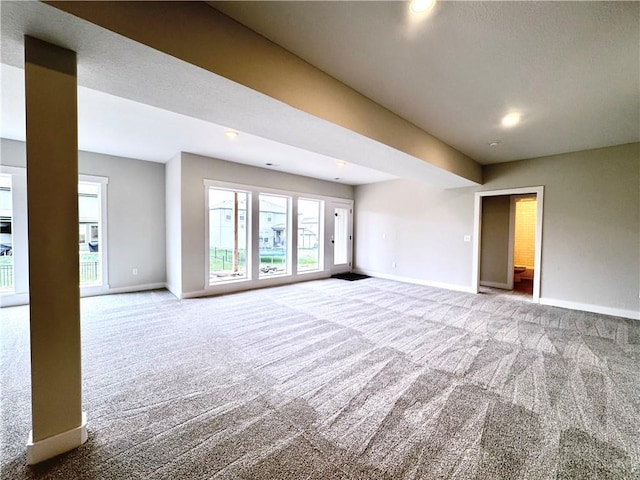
350, 276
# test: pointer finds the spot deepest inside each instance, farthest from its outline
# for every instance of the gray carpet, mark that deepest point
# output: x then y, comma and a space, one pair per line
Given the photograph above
340, 380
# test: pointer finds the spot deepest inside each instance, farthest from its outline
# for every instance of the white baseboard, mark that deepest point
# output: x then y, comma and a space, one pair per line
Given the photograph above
63, 442
137, 288
175, 291
244, 285
13, 300
417, 281
502, 286
585, 307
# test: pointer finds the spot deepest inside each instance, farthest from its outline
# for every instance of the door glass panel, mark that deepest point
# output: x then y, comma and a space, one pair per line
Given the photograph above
227, 235
340, 236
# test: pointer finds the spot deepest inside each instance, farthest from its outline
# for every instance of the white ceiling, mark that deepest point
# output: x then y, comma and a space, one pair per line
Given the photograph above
127, 70
117, 126
572, 69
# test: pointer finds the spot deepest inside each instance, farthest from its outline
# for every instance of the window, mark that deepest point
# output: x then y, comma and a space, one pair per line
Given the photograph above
252, 235
89, 238
309, 235
6, 235
227, 234
274, 226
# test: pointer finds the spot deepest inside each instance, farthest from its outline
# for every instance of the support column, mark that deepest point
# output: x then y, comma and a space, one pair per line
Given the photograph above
52, 197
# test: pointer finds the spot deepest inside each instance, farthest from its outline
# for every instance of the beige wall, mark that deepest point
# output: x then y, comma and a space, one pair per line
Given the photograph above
591, 227
135, 213
494, 253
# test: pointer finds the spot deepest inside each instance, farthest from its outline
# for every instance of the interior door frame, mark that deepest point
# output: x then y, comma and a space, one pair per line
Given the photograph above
329, 245
538, 191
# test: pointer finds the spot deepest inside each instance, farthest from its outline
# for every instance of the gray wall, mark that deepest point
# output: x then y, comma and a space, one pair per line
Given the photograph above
135, 213
591, 227
418, 227
194, 170
494, 254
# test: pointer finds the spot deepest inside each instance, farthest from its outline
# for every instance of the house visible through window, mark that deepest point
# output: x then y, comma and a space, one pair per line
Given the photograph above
252, 235
6, 235
89, 216
309, 234
274, 223
228, 238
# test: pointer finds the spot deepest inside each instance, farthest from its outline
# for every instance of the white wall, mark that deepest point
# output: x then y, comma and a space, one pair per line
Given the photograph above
591, 233
135, 214
194, 170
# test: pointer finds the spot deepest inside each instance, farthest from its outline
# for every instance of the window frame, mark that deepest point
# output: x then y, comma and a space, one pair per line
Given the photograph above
255, 240
208, 184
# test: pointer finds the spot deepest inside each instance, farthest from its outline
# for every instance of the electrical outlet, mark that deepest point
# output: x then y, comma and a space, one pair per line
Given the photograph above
467, 238
134, 271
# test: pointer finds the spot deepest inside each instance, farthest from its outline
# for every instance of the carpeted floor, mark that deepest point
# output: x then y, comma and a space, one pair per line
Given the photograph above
340, 380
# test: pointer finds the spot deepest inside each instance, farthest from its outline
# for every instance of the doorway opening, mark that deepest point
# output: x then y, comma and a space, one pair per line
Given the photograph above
508, 240
523, 218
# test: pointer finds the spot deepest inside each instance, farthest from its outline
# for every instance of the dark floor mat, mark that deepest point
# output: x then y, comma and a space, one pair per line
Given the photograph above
349, 276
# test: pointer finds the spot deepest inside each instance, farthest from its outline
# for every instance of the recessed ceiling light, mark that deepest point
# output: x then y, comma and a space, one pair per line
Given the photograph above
231, 134
494, 143
341, 163
510, 119
421, 6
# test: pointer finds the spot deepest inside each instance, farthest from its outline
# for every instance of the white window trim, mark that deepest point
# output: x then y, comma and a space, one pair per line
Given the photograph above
90, 290
249, 240
22, 297
289, 268
253, 279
